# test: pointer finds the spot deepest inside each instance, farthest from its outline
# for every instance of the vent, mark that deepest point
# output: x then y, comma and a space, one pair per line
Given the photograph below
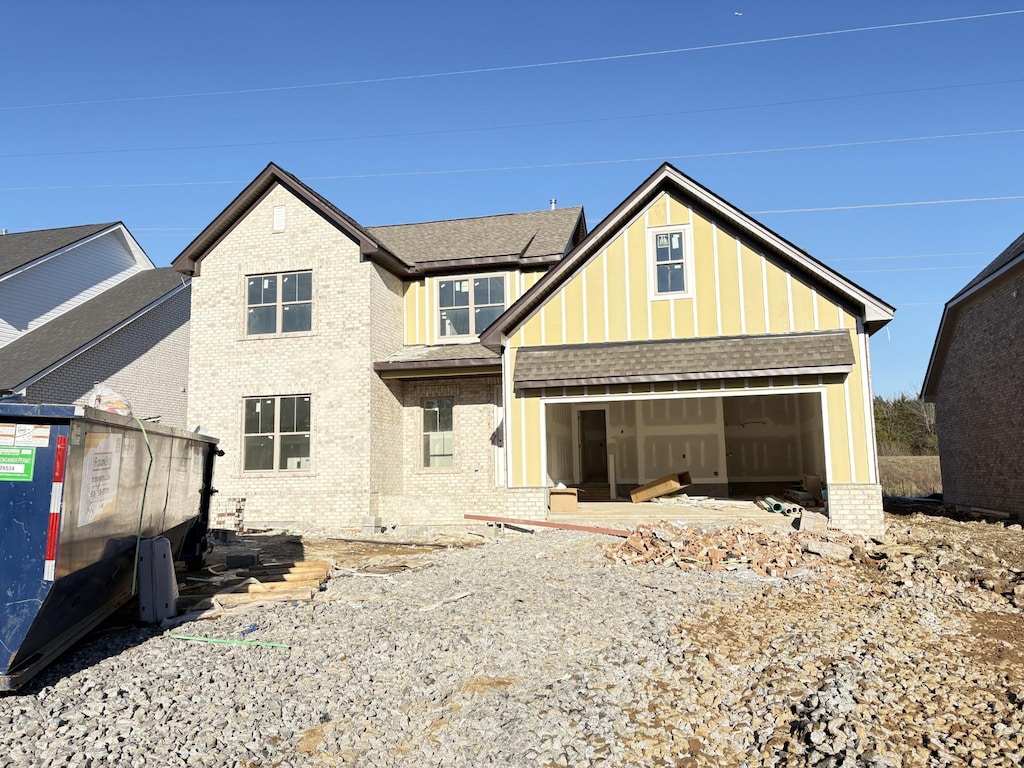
279, 218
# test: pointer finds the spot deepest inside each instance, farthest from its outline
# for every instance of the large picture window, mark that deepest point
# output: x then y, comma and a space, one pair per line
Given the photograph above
281, 303
467, 306
668, 255
438, 443
276, 433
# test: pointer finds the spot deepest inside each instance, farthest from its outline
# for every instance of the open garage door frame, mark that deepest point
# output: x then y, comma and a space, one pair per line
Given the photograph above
565, 424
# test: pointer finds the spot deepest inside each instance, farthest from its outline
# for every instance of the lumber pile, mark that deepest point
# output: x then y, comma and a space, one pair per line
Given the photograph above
766, 553
274, 582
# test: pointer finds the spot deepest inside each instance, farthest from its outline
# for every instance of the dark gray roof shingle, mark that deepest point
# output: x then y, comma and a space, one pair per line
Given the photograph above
19, 248
1015, 249
534, 234
421, 356
52, 342
671, 360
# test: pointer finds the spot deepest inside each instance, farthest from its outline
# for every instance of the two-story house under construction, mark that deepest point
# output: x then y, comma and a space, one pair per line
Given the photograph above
418, 372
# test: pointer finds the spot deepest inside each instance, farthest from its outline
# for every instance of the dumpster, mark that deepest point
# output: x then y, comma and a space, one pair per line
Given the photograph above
79, 490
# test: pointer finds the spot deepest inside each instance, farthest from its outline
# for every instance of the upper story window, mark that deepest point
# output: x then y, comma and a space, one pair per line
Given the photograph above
281, 303
669, 253
468, 305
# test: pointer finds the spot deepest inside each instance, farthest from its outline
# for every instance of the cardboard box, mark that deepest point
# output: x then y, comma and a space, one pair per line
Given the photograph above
660, 487
563, 499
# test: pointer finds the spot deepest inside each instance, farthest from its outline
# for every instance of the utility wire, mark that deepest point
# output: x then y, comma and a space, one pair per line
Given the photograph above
510, 126
912, 256
516, 67
577, 164
951, 201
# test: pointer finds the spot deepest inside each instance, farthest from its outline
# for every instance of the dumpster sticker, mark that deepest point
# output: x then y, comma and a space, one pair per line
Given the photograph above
100, 474
27, 435
17, 463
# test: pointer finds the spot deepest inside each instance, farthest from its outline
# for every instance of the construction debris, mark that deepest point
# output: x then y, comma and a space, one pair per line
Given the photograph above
272, 582
660, 487
767, 553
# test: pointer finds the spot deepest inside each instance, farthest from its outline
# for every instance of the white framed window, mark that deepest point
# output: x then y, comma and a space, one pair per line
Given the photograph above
670, 261
279, 304
276, 433
438, 435
467, 305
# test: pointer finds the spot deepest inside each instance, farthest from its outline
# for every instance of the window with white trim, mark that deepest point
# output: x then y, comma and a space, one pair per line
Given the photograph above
438, 436
466, 306
668, 255
276, 433
281, 303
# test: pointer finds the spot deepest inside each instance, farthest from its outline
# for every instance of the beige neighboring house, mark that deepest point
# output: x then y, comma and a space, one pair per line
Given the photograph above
411, 374
81, 306
975, 378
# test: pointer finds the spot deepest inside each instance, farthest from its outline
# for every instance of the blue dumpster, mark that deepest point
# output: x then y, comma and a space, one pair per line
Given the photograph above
79, 489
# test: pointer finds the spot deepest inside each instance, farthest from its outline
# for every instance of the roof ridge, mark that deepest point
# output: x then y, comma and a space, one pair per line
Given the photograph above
476, 218
59, 229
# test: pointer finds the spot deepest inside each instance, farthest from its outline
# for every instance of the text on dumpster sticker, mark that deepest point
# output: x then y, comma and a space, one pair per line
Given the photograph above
100, 474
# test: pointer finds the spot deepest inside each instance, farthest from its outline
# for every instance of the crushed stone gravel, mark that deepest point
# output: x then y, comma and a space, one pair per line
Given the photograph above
540, 650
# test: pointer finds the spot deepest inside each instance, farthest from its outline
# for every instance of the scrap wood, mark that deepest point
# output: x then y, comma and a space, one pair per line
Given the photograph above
447, 600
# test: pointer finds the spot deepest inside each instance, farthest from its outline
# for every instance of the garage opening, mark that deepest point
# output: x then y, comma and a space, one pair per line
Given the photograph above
734, 446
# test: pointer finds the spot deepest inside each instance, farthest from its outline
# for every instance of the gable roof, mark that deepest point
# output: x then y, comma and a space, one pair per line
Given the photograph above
188, 261
535, 237
991, 276
20, 248
875, 312
79, 328
410, 250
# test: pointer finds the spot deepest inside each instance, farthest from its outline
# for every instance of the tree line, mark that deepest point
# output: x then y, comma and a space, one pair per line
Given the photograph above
905, 426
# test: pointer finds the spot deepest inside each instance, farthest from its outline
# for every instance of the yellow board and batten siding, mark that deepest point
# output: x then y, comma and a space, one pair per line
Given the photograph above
608, 300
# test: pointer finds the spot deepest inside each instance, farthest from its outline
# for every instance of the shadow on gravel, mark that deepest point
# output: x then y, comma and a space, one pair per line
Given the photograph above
109, 639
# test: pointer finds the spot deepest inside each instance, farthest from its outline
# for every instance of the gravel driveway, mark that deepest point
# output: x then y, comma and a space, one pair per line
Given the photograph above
539, 650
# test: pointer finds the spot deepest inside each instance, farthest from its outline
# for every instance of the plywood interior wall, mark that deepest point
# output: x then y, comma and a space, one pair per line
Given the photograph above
559, 444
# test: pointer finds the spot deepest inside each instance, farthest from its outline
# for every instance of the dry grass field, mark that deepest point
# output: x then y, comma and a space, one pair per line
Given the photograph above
909, 475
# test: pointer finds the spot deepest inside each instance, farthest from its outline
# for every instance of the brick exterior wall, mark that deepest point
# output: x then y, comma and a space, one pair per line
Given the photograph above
435, 497
355, 308
979, 413
147, 362
856, 508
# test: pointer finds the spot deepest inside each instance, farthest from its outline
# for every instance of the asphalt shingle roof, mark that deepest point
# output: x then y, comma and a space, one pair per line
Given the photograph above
419, 356
1015, 249
711, 358
522, 235
19, 248
52, 342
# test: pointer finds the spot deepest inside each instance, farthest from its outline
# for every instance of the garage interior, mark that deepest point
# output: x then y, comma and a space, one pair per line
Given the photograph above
734, 446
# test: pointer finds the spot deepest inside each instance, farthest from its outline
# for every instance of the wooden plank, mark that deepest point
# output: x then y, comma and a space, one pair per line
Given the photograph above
546, 524
660, 487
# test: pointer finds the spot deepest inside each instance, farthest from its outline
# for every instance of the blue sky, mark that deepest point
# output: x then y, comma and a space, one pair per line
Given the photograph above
101, 121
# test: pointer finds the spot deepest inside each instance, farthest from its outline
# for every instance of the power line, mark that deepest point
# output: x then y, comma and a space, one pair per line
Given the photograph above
565, 122
516, 67
585, 163
910, 269
892, 205
913, 256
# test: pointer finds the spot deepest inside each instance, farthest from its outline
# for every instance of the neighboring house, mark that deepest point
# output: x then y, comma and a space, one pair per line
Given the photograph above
419, 372
81, 306
975, 378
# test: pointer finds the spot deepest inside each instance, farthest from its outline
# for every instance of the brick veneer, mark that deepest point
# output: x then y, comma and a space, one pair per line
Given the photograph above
979, 410
146, 361
856, 508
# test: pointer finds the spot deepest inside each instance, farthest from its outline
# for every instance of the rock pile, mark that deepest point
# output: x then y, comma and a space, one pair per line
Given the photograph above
766, 553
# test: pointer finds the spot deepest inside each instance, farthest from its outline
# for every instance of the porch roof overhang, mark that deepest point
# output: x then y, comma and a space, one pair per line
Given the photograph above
731, 357
419, 360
